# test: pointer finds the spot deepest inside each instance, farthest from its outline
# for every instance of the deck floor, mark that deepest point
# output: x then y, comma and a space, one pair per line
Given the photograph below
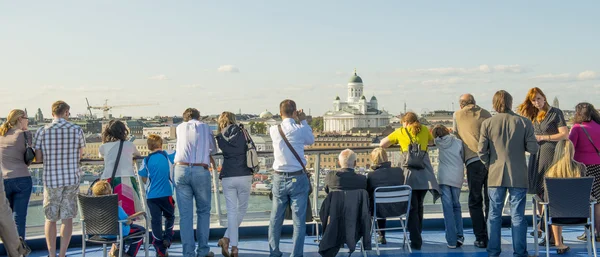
434, 244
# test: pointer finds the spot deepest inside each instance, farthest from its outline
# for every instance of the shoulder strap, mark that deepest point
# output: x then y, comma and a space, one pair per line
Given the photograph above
290, 147
590, 138
26, 139
112, 177
409, 136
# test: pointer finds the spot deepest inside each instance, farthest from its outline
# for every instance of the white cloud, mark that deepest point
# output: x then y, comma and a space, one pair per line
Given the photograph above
587, 75
481, 69
190, 86
551, 77
228, 68
453, 81
513, 68
159, 77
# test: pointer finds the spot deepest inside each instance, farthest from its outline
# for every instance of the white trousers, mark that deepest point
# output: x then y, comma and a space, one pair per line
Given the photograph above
237, 193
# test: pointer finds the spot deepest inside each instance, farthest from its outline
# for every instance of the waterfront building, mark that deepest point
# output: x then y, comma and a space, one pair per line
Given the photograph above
356, 111
165, 132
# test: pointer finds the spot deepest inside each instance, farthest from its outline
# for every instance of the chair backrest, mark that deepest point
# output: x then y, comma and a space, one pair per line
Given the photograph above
392, 195
568, 197
100, 214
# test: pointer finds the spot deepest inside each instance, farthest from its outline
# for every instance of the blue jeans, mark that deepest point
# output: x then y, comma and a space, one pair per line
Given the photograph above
18, 192
193, 183
518, 222
452, 214
291, 190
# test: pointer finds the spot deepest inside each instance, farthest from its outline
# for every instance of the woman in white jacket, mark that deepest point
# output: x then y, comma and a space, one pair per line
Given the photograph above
450, 179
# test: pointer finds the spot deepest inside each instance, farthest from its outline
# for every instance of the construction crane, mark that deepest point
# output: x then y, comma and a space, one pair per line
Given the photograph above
106, 108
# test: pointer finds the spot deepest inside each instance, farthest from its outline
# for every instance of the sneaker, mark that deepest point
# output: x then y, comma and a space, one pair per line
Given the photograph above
381, 240
167, 243
452, 246
460, 241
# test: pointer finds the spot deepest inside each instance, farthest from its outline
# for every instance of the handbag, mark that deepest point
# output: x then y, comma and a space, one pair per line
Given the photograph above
29, 154
414, 157
590, 138
251, 153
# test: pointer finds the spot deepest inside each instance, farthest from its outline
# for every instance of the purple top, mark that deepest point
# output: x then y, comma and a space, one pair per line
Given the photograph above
584, 150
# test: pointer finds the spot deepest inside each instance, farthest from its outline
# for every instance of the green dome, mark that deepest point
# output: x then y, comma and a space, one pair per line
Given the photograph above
363, 98
355, 79
337, 98
373, 98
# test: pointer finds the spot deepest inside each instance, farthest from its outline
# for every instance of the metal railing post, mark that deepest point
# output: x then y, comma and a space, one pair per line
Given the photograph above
316, 177
217, 194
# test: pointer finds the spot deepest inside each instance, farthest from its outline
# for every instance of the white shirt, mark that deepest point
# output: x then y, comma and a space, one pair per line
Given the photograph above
195, 142
110, 150
298, 135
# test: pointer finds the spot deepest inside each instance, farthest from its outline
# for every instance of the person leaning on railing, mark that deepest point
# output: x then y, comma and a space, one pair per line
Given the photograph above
125, 183
14, 139
419, 176
585, 136
236, 179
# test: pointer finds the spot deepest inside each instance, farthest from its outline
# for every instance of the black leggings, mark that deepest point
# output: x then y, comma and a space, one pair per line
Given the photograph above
415, 217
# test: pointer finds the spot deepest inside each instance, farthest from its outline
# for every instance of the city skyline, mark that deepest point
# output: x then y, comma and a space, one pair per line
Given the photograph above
248, 56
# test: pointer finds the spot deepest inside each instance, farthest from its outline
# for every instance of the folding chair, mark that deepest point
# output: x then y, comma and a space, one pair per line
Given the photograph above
391, 195
100, 216
568, 204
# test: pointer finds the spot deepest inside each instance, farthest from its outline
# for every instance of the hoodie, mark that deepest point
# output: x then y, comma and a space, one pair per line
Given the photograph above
451, 165
232, 143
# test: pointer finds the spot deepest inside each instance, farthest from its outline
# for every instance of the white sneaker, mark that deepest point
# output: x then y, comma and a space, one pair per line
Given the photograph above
452, 246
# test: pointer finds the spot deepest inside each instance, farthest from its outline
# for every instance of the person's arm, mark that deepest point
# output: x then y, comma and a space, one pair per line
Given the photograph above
37, 145
143, 172
39, 157
385, 143
134, 216
81, 143
531, 143
309, 138
574, 136
391, 139
430, 139
454, 126
484, 145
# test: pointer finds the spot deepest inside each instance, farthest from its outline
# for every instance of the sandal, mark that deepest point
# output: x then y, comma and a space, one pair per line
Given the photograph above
539, 234
563, 250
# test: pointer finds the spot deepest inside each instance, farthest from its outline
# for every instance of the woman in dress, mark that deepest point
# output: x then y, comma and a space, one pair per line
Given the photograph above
420, 180
236, 178
125, 184
587, 121
549, 128
14, 139
564, 167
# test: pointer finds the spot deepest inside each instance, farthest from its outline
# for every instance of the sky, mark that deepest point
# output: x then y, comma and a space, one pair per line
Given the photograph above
249, 55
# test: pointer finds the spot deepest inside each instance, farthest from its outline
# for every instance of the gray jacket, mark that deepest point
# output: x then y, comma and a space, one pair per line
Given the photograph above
504, 139
451, 166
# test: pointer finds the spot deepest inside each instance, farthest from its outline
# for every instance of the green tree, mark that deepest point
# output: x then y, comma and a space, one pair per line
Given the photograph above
260, 128
251, 127
317, 124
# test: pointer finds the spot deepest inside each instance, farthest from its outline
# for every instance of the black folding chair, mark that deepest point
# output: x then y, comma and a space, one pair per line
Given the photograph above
568, 203
100, 219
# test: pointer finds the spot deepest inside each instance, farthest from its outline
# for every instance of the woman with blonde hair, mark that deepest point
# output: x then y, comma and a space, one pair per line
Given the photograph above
549, 127
236, 178
564, 167
414, 139
14, 139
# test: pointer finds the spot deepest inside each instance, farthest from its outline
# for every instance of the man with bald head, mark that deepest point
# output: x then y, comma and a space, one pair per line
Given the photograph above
345, 178
467, 125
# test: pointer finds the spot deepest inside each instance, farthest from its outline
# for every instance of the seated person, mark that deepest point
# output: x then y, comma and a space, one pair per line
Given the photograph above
384, 174
346, 178
102, 187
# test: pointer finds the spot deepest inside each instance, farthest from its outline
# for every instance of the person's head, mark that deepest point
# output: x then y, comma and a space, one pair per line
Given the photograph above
15, 119
564, 166
226, 119
535, 105
115, 131
378, 156
585, 112
347, 159
466, 99
60, 109
101, 187
287, 108
154, 142
440, 131
502, 101
410, 120
191, 114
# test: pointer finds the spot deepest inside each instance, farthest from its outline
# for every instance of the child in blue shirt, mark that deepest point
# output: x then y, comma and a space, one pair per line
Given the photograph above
102, 187
156, 169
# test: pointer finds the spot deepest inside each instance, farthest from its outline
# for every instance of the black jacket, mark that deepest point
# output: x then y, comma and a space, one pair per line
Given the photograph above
345, 179
232, 143
345, 218
386, 175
